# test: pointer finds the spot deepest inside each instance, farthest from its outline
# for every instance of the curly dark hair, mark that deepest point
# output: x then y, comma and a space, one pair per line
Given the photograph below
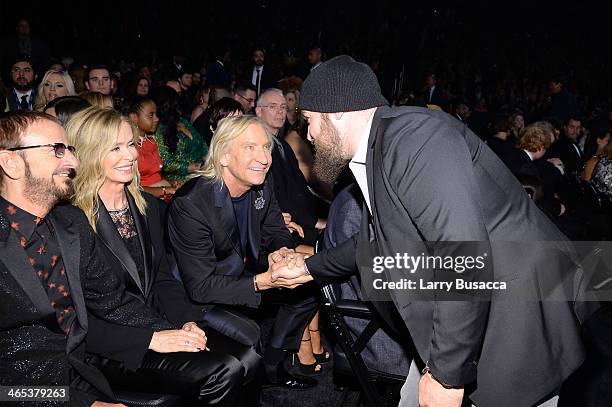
169, 113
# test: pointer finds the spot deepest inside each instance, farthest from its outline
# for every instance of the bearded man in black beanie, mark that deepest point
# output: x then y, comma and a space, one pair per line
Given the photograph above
426, 178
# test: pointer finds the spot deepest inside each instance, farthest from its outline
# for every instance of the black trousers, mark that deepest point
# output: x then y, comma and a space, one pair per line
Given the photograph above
211, 377
291, 309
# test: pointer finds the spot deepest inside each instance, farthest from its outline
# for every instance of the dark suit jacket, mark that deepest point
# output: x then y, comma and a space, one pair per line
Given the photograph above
269, 77
203, 234
33, 350
13, 104
128, 344
566, 151
291, 191
446, 186
438, 97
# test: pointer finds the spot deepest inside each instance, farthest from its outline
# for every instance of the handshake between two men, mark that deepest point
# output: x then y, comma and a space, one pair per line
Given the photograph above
286, 270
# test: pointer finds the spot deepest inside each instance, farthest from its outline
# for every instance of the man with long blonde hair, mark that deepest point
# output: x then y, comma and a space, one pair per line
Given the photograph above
224, 227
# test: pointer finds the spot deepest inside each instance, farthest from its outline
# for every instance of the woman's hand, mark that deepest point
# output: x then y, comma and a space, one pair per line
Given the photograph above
189, 339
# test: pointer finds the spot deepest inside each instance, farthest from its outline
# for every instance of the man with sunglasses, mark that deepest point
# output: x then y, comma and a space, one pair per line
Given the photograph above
50, 269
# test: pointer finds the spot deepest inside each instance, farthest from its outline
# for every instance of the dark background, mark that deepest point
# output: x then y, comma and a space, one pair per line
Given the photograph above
502, 39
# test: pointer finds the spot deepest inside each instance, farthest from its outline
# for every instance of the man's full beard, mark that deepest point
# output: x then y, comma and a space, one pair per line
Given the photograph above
329, 160
44, 192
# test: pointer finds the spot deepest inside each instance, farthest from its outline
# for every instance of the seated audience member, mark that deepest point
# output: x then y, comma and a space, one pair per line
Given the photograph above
186, 361
224, 227
64, 107
142, 113
143, 86
499, 142
602, 173
292, 96
53, 85
595, 147
52, 265
245, 94
518, 124
98, 79
222, 108
568, 149
201, 100
97, 99
290, 188
180, 145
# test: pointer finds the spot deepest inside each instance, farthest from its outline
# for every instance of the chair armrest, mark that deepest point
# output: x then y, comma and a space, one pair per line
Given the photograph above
353, 308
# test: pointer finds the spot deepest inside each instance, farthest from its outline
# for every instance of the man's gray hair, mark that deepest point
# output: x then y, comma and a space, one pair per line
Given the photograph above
269, 92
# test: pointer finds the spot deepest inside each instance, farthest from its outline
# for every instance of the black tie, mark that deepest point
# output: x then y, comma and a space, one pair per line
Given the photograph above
24, 105
257, 80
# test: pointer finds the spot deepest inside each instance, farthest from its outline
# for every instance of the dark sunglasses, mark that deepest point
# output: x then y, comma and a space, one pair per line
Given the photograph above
58, 148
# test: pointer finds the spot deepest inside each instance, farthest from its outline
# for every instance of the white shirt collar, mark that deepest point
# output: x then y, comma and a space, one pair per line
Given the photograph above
20, 94
362, 150
529, 154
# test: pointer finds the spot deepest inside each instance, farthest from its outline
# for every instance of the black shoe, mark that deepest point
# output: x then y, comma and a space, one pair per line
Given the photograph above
279, 376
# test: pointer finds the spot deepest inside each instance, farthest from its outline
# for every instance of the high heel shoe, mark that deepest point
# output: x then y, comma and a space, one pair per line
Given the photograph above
306, 370
324, 356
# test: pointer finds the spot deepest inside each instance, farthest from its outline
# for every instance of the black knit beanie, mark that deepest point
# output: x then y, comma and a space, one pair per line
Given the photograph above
341, 84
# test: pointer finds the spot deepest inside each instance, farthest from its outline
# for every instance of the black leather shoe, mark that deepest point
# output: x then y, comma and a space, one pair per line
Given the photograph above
279, 376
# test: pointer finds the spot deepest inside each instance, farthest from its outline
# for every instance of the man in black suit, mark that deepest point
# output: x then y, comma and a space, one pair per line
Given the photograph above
261, 76
222, 226
426, 179
23, 43
434, 94
23, 91
568, 149
50, 267
290, 188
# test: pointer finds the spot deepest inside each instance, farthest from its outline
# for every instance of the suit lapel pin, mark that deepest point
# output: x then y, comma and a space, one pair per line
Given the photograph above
260, 201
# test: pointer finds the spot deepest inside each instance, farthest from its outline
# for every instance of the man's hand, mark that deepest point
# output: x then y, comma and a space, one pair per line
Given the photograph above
290, 273
294, 227
103, 404
188, 339
558, 164
433, 394
279, 255
321, 223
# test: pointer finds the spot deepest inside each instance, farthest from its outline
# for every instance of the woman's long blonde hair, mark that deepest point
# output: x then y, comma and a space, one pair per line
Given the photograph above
41, 101
93, 132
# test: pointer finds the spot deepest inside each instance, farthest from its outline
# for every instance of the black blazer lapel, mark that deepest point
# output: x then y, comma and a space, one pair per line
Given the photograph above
225, 210
110, 237
15, 260
70, 246
142, 228
254, 219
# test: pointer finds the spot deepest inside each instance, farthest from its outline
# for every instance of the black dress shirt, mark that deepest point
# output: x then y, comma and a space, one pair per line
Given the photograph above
37, 238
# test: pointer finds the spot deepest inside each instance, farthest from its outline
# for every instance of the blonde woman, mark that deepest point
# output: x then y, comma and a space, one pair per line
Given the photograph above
54, 84
97, 99
185, 361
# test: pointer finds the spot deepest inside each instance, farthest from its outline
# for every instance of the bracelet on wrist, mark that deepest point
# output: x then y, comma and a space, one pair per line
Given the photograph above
255, 283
